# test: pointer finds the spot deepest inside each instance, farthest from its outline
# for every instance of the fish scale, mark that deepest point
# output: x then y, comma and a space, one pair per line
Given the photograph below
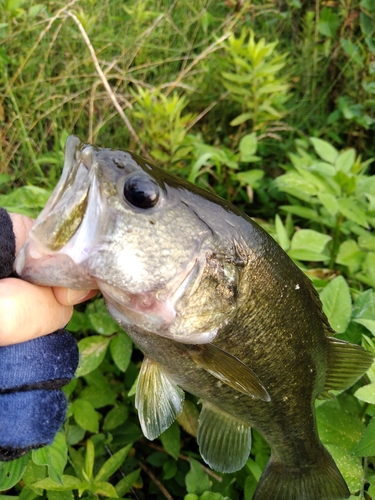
216, 306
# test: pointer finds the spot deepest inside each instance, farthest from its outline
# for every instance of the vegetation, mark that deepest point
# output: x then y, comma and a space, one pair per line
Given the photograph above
269, 104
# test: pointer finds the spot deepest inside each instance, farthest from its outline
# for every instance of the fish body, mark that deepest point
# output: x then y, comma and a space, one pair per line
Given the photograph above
216, 306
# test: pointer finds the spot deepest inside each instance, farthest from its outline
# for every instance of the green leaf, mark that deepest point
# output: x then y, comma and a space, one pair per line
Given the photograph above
366, 445
250, 177
11, 472
329, 202
338, 427
105, 489
27, 200
248, 147
282, 235
55, 456
124, 485
85, 415
100, 319
366, 393
188, 419
325, 150
171, 440
328, 22
345, 161
350, 255
89, 459
304, 212
242, 118
115, 417
68, 483
113, 463
121, 348
349, 465
197, 481
308, 239
352, 211
337, 304
367, 323
92, 351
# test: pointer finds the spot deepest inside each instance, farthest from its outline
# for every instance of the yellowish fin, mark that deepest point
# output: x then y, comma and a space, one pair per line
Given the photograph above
346, 364
229, 370
158, 400
224, 441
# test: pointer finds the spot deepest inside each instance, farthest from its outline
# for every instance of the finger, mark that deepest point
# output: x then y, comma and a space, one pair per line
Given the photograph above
69, 297
28, 311
21, 228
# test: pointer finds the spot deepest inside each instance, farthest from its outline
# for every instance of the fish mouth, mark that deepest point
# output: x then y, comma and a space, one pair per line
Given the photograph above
67, 226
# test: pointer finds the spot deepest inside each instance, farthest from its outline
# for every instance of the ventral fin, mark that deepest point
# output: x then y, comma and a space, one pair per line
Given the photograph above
230, 370
224, 441
346, 364
158, 399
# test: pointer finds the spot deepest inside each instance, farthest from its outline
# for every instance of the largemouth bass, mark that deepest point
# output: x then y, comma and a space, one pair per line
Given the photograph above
216, 306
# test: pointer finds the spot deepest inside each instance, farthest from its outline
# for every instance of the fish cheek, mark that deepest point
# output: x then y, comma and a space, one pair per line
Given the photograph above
210, 303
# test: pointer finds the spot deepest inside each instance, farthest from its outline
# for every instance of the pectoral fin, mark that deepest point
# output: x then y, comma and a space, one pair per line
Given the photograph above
158, 400
346, 364
229, 370
224, 442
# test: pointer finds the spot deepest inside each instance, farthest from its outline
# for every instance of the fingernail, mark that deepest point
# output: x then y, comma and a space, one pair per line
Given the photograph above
75, 296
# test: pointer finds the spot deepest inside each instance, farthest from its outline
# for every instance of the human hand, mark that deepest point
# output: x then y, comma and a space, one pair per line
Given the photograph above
28, 311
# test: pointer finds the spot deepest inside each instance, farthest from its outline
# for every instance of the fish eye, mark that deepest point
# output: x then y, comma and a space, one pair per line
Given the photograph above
141, 191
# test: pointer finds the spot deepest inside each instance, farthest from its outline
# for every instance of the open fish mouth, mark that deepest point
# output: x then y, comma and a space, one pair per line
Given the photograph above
68, 224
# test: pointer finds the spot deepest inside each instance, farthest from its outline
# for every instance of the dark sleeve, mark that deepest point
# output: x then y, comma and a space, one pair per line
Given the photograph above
32, 404
7, 244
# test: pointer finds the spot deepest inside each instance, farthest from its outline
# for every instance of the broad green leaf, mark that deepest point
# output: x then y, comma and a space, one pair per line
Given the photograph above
170, 439
350, 255
92, 351
197, 481
100, 319
366, 393
352, 211
349, 465
115, 417
364, 305
345, 160
308, 239
338, 427
121, 348
112, 464
55, 456
27, 200
124, 485
367, 323
366, 445
85, 415
11, 472
325, 150
329, 202
248, 146
98, 396
337, 304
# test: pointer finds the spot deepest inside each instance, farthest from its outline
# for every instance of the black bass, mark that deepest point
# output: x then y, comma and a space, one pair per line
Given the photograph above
217, 307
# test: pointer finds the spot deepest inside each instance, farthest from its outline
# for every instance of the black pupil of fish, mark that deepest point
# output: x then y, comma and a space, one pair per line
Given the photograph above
141, 192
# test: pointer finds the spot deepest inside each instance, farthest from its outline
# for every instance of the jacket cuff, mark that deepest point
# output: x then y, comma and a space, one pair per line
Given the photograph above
7, 244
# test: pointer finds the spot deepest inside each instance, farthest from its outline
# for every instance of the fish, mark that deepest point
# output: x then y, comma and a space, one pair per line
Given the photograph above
216, 306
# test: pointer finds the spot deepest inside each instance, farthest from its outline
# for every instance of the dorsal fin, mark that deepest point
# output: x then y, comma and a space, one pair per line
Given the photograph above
224, 441
230, 370
158, 400
346, 364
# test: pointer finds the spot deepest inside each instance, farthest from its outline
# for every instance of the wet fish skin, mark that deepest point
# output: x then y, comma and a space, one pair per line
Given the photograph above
204, 292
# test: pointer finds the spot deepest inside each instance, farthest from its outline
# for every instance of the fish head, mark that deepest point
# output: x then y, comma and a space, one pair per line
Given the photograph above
118, 223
